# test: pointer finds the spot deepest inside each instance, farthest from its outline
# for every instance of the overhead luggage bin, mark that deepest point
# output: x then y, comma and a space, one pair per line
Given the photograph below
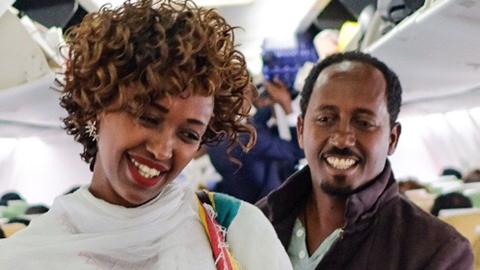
27, 101
435, 54
22, 60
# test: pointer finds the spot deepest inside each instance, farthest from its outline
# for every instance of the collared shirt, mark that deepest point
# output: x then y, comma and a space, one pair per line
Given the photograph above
297, 250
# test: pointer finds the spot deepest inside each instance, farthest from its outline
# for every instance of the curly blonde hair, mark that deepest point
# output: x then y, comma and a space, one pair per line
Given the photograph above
163, 48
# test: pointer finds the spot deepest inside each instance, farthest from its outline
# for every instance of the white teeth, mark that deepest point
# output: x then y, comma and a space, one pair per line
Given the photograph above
144, 170
341, 163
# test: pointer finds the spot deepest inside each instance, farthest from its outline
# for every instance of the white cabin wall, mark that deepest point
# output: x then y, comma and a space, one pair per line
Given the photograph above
42, 167
432, 142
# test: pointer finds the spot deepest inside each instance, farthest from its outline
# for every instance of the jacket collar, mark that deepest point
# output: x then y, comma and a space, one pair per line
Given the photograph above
285, 203
364, 204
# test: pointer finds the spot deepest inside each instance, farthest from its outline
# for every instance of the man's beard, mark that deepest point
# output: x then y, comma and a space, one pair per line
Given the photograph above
337, 191
342, 191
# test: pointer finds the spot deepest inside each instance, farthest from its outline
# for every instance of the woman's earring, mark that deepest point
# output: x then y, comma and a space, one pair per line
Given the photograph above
91, 128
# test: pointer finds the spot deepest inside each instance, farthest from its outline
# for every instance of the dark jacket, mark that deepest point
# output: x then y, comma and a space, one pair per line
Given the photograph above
383, 230
263, 169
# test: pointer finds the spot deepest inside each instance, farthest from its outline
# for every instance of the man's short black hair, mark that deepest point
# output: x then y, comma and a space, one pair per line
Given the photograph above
394, 89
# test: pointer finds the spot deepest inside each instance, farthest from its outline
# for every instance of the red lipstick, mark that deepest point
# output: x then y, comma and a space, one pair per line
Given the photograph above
141, 180
149, 163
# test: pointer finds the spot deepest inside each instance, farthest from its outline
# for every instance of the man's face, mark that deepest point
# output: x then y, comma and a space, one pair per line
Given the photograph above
346, 133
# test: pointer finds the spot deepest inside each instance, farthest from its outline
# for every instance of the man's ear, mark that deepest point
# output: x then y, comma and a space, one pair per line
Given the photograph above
300, 131
394, 136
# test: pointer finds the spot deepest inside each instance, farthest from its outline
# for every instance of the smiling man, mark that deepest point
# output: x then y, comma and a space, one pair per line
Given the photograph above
343, 210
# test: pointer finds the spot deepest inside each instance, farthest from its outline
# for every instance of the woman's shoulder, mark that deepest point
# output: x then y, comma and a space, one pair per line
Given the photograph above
230, 210
248, 226
237, 216
245, 226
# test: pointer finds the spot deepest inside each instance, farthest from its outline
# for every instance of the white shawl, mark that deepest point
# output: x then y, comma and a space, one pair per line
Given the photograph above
83, 232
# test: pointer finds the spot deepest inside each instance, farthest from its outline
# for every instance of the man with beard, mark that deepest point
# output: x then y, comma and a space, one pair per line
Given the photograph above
343, 211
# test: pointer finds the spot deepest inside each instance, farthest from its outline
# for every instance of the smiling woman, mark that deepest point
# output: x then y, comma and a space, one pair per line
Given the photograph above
149, 152
145, 86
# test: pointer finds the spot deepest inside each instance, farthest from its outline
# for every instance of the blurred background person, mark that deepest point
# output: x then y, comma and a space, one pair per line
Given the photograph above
472, 176
250, 176
449, 171
409, 184
452, 200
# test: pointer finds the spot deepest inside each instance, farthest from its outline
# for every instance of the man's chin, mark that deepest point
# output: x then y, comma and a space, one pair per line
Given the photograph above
341, 188
338, 187
337, 191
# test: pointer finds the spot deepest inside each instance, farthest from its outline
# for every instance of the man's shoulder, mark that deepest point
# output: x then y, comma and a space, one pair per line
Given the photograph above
414, 220
419, 238
292, 192
279, 204
230, 210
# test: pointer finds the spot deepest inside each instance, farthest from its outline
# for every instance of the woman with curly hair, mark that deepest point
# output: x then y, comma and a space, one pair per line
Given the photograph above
145, 86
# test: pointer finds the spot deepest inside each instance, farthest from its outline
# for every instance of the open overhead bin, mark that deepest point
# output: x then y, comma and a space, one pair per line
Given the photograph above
435, 54
434, 50
26, 97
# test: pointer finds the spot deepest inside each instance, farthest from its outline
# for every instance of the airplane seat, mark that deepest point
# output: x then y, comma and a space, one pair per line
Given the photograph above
444, 185
10, 229
465, 220
476, 251
474, 195
422, 198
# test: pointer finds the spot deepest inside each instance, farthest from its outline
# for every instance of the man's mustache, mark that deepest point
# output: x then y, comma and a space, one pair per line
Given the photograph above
340, 152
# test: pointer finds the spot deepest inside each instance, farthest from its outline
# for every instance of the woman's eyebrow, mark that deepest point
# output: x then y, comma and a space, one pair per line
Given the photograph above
196, 122
160, 107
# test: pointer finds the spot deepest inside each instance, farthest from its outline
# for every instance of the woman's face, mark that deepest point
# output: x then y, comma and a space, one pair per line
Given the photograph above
136, 158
